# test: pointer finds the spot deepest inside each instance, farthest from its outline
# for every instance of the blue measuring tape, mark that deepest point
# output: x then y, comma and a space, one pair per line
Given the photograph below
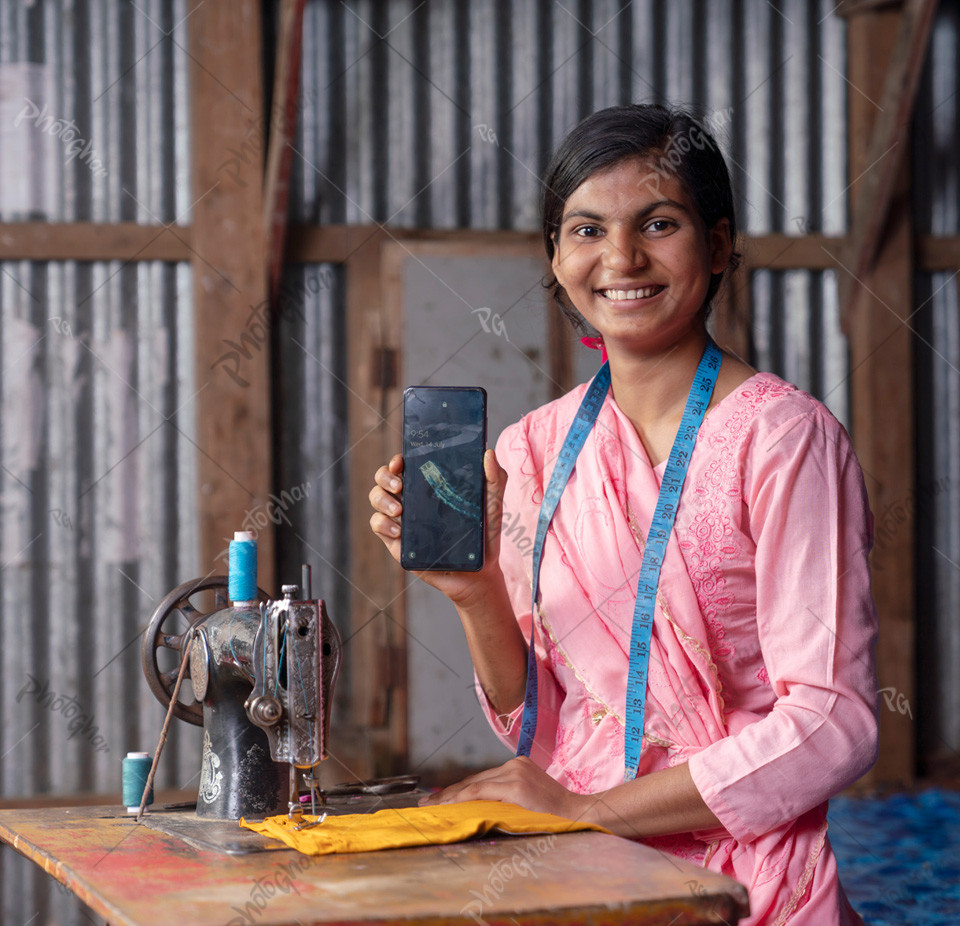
653, 553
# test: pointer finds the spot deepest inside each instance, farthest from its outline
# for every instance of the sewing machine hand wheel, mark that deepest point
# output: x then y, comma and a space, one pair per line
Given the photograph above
157, 637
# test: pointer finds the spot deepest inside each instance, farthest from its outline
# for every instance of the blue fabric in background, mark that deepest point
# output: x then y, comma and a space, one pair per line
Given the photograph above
899, 856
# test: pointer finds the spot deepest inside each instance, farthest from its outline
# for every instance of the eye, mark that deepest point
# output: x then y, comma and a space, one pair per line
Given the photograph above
587, 231
660, 226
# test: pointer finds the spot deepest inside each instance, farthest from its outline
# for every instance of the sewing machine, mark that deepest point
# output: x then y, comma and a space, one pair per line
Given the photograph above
263, 674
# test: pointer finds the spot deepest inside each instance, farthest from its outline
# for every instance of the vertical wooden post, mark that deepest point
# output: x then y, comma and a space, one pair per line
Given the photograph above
377, 651
279, 154
229, 279
881, 363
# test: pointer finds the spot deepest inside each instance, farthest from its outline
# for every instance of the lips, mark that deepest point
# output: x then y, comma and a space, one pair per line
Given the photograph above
623, 295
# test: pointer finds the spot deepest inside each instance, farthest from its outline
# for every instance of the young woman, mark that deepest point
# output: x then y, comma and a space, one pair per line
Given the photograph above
749, 631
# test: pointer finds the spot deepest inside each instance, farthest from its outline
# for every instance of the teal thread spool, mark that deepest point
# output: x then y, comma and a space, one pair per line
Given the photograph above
135, 771
242, 568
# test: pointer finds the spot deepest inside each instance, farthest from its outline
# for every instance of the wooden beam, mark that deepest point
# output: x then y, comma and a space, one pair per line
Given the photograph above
881, 364
790, 252
335, 243
89, 241
232, 340
937, 254
283, 119
308, 244
316, 244
888, 139
846, 8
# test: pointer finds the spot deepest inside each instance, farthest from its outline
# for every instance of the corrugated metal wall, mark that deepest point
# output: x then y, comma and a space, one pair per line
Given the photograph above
97, 469
311, 470
443, 115
433, 114
936, 320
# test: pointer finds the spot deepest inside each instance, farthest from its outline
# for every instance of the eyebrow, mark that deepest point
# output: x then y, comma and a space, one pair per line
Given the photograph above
642, 214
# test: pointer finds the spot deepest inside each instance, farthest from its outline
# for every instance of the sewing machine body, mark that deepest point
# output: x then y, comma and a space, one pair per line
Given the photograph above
264, 672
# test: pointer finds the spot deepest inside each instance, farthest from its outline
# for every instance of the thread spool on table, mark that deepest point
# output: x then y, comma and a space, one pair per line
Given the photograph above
135, 770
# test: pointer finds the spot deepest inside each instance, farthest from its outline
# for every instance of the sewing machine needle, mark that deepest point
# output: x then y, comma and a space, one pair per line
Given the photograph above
294, 801
303, 825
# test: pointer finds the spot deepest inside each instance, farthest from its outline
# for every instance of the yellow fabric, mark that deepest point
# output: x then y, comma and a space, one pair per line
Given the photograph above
412, 826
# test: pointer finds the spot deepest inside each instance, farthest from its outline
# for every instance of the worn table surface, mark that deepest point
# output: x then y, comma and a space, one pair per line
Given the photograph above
131, 874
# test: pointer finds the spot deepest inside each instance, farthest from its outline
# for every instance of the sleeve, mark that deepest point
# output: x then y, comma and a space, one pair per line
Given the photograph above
817, 626
518, 528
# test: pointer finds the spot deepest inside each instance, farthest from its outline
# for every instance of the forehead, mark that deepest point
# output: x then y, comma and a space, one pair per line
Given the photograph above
629, 185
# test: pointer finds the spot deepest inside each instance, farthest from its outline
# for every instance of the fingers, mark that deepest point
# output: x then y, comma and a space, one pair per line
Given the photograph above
493, 784
384, 500
388, 477
520, 782
384, 527
473, 788
492, 469
496, 478
495, 474
384, 495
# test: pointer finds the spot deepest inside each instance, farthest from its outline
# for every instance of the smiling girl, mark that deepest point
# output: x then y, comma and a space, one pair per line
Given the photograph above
701, 675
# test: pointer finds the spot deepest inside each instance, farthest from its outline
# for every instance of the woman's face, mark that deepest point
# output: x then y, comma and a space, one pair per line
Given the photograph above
634, 257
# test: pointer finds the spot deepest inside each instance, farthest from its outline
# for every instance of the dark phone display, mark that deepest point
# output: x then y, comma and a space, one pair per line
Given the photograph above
444, 437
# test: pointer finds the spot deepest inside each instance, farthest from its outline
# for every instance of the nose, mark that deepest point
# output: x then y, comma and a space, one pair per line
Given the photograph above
625, 250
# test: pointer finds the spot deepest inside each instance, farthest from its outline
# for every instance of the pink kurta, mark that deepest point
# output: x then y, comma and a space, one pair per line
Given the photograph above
762, 672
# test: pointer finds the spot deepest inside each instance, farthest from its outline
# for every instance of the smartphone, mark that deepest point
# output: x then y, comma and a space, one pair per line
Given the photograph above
444, 438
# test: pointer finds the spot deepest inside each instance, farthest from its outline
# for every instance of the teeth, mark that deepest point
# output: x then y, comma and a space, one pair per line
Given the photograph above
618, 295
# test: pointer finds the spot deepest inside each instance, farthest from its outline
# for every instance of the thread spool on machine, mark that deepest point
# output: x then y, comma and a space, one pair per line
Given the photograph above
263, 673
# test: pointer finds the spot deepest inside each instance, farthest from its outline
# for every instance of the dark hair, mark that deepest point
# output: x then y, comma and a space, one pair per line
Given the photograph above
675, 142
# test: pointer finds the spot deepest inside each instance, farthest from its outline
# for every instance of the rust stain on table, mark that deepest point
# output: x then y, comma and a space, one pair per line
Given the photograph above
133, 875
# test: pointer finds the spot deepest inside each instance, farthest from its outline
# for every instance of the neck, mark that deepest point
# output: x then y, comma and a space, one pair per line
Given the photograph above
651, 389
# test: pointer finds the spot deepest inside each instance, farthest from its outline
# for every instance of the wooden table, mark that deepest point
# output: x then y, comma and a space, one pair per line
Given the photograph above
131, 874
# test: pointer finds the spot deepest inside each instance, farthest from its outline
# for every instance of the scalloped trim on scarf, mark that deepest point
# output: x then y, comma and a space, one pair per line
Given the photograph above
697, 647
805, 878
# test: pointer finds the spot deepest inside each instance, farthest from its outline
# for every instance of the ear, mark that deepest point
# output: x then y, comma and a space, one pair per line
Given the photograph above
556, 264
721, 246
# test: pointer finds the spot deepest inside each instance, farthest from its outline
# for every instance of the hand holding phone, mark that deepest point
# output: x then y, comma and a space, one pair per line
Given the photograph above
497, 646
443, 496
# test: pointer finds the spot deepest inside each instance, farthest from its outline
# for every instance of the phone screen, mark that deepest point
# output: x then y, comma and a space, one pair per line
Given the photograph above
444, 437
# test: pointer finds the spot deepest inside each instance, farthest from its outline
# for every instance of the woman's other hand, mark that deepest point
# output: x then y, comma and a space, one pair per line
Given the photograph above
518, 781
